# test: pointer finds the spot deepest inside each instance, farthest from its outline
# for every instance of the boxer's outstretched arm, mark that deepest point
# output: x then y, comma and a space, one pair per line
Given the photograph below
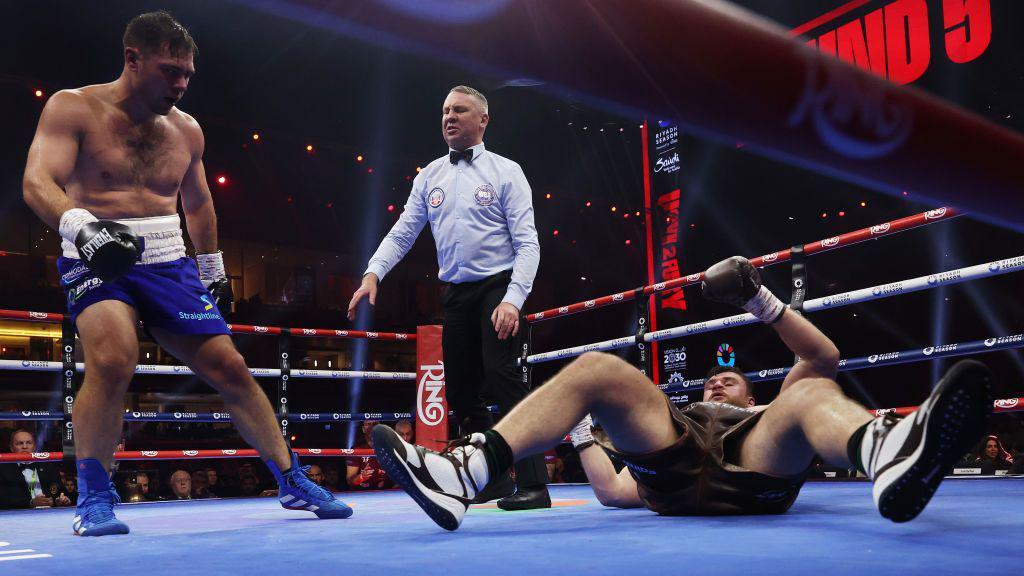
51, 159
196, 200
819, 357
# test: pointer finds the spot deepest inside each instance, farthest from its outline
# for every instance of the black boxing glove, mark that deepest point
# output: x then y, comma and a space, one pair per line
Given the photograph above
215, 279
107, 248
735, 281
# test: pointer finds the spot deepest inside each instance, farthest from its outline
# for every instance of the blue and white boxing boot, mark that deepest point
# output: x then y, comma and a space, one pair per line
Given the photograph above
297, 492
908, 458
94, 514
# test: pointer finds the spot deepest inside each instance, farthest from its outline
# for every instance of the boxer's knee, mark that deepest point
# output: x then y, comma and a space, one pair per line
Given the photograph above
607, 379
228, 372
111, 365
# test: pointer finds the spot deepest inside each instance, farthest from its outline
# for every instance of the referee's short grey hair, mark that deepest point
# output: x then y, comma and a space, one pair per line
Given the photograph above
474, 93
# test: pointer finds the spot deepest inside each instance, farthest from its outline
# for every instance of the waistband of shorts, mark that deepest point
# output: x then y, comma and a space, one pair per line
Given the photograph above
161, 238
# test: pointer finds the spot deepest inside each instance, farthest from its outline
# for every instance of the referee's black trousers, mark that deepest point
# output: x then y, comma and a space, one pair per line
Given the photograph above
477, 365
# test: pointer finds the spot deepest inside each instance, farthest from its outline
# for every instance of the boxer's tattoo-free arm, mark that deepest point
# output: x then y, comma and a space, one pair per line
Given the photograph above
819, 357
51, 159
196, 200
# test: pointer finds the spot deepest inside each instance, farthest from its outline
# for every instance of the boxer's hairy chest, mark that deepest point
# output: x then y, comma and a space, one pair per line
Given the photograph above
117, 155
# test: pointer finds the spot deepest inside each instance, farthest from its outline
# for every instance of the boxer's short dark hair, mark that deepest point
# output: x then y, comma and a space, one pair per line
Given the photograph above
151, 31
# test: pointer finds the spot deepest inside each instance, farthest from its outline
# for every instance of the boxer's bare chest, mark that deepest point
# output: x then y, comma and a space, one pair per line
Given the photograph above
116, 154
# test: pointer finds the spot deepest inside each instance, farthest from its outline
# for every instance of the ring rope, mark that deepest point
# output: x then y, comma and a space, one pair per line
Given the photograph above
994, 268
876, 360
185, 454
56, 318
817, 247
46, 366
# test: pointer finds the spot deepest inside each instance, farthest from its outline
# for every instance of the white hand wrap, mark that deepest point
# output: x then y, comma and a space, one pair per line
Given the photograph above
581, 435
71, 223
211, 268
765, 306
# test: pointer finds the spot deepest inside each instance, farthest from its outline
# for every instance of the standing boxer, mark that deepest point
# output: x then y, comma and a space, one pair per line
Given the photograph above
105, 169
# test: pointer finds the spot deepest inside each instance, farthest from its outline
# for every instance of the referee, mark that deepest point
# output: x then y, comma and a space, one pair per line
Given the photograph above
480, 211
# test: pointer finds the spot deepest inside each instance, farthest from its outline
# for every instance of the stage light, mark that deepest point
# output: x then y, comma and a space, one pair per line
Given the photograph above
824, 214
391, 207
555, 233
548, 196
39, 93
628, 242
359, 158
255, 135
222, 180
588, 204
369, 170
614, 208
863, 204
842, 213
309, 147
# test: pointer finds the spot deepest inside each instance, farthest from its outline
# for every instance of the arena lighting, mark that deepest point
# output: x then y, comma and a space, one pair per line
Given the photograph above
255, 135
628, 242
863, 204
588, 204
555, 233
824, 214
222, 180
418, 169
841, 213
548, 196
391, 207
359, 158
369, 170
614, 208
309, 147
39, 93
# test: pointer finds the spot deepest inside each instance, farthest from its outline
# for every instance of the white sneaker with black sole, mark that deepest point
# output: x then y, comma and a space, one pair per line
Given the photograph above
908, 458
443, 484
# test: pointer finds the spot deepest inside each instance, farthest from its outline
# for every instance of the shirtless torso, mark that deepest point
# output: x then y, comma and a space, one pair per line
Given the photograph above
112, 164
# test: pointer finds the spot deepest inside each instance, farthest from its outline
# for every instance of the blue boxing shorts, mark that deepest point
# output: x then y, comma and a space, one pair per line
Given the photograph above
164, 287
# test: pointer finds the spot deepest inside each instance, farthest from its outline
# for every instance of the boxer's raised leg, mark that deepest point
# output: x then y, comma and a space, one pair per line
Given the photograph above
632, 410
629, 407
812, 416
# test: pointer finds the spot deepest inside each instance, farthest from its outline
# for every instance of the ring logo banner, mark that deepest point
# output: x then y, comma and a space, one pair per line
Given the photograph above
431, 405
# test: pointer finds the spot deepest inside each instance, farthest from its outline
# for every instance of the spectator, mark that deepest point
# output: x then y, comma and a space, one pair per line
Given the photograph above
364, 472
29, 484
248, 486
332, 478
221, 490
554, 465
136, 488
993, 454
201, 485
366, 441
181, 485
405, 430
316, 474
70, 483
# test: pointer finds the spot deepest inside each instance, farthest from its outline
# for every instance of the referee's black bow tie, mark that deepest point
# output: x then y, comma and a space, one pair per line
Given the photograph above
466, 155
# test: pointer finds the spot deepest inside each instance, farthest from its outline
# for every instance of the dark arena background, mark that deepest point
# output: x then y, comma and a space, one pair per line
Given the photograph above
317, 117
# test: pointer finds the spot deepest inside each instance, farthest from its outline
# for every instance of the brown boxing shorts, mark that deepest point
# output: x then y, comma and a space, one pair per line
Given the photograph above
696, 475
